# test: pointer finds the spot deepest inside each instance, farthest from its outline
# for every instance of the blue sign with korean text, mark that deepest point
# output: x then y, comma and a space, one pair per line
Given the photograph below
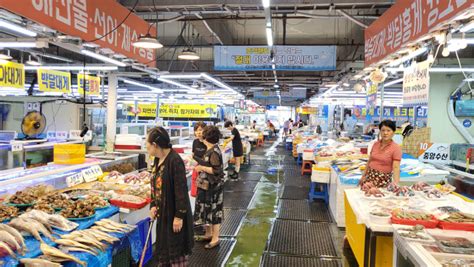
467, 123
288, 58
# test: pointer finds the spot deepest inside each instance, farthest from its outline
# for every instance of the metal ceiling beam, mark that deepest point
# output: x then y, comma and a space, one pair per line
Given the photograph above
352, 18
204, 28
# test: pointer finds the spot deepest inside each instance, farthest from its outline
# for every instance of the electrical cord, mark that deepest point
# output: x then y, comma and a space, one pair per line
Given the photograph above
118, 26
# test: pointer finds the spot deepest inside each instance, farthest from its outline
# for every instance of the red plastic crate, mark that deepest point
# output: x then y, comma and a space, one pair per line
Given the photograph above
427, 224
456, 226
128, 205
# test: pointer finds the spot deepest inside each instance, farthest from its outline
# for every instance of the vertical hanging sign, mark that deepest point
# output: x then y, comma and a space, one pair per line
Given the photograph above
416, 84
54, 81
371, 95
12, 75
91, 83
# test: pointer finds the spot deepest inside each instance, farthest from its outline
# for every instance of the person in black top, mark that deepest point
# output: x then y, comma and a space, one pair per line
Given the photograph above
237, 147
199, 148
170, 204
210, 199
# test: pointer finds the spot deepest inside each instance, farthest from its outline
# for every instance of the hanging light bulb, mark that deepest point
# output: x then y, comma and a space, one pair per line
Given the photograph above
445, 51
5, 56
189, 54
148, 42
33, 62
430, 58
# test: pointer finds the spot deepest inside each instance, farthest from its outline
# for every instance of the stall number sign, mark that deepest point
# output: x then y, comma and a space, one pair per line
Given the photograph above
54, 81
437, 153
92, 174
74, 179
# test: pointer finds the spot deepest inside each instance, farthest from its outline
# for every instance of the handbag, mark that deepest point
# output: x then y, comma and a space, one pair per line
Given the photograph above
202, 182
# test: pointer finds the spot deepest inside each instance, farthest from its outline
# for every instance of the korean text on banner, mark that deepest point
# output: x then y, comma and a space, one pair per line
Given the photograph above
188, 111
406, 22
142, 110
12, 75
371, 95
416, 84
306, 110
89, 20
289, 58
92, 84
54, 81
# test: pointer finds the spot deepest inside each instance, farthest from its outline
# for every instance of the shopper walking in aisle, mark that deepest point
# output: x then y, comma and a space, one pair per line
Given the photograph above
199, 148
271, 129
254, 125
237, 146
210, 197
286, 127
170, 204
383, 166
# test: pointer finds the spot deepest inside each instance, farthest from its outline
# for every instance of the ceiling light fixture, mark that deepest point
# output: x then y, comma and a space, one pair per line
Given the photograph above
147, 42
346, 84
5, 56
266, 3
102, 58
468, 27
33, 62
140, 84
189, 54
18, 44
439, 70
269, 36
393, 82
16, 28
74, 67
410, 55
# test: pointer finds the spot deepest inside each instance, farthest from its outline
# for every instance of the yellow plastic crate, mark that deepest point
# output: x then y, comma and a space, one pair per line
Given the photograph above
69, 153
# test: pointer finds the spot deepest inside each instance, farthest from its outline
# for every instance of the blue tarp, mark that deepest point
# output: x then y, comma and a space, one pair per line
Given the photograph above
104, 259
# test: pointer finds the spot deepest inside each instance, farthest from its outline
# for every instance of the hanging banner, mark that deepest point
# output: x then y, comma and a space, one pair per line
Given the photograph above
54, 81
12, 75
371, 95
306, 110
401, 114
188, 110
406, 22
288, 58
92, 84
90, 20
416, 84
142, 110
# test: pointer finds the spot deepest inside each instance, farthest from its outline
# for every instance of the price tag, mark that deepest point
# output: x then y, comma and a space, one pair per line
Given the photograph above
75, 134
74, 179
61, 135
91, 174
97, 170
51, 135
17, 147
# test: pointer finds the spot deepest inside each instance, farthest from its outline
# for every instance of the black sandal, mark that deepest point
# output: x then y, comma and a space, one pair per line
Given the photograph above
212, 245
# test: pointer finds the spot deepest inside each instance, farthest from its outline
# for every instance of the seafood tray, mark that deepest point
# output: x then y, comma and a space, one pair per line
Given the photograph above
458, 221
129, 205
459, 245
412, 218
415, 236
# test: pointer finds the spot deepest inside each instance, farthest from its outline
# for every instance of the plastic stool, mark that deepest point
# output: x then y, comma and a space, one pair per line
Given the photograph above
319, 191
299, 160
289, 146
307, 167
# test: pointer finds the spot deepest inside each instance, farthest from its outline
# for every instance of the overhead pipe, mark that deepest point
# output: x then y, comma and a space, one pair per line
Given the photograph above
171, 20
351, 18
209, 28
309, 15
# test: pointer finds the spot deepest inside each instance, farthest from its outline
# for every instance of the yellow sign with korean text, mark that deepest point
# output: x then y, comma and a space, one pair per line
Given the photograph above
142, 110
91, 83
188, 110
12, 75
54, 81
306, 110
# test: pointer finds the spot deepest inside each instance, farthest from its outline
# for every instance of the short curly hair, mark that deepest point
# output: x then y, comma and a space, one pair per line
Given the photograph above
211, 134
198, 125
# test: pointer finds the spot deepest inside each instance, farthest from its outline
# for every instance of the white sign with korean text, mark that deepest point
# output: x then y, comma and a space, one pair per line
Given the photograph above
436, 153
416, 84
74, 179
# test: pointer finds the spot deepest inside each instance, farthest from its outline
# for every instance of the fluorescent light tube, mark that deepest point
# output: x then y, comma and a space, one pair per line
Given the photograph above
266, 3
102, 58
468, 27
411, 55
438, 70
140, 84
16, 28
18, 44
72, 68
394, 82
269, 36
175, 83
181, 76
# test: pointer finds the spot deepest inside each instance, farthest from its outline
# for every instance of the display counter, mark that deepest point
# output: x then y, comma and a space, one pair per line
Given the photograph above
371, 240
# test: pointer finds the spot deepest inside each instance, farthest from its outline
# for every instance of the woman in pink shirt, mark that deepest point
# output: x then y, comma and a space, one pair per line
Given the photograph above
384, 161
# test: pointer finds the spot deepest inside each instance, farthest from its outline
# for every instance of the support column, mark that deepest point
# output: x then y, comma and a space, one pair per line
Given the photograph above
382, 99
111, 113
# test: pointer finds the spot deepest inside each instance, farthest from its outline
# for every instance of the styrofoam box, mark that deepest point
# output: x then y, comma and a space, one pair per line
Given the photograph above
320, 177
308, 155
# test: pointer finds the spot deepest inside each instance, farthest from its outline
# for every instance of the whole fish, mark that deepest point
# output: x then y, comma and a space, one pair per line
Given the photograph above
122, 225
62, 223
39, 216
7, 248
72, 243
10, 240
26, 226
54, 252
12, 231
79, 237
39, 263
42, 229
76, 249
103, 236
111, 228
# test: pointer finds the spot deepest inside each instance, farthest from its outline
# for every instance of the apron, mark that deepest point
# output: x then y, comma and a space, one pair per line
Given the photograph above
378, 179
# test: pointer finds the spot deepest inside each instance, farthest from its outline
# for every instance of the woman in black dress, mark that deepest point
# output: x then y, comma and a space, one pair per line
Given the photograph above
210, 197
170, 204
199, 148
237, 147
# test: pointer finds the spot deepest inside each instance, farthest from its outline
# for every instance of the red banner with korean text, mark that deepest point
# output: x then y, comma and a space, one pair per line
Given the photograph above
407, 21
89, 20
